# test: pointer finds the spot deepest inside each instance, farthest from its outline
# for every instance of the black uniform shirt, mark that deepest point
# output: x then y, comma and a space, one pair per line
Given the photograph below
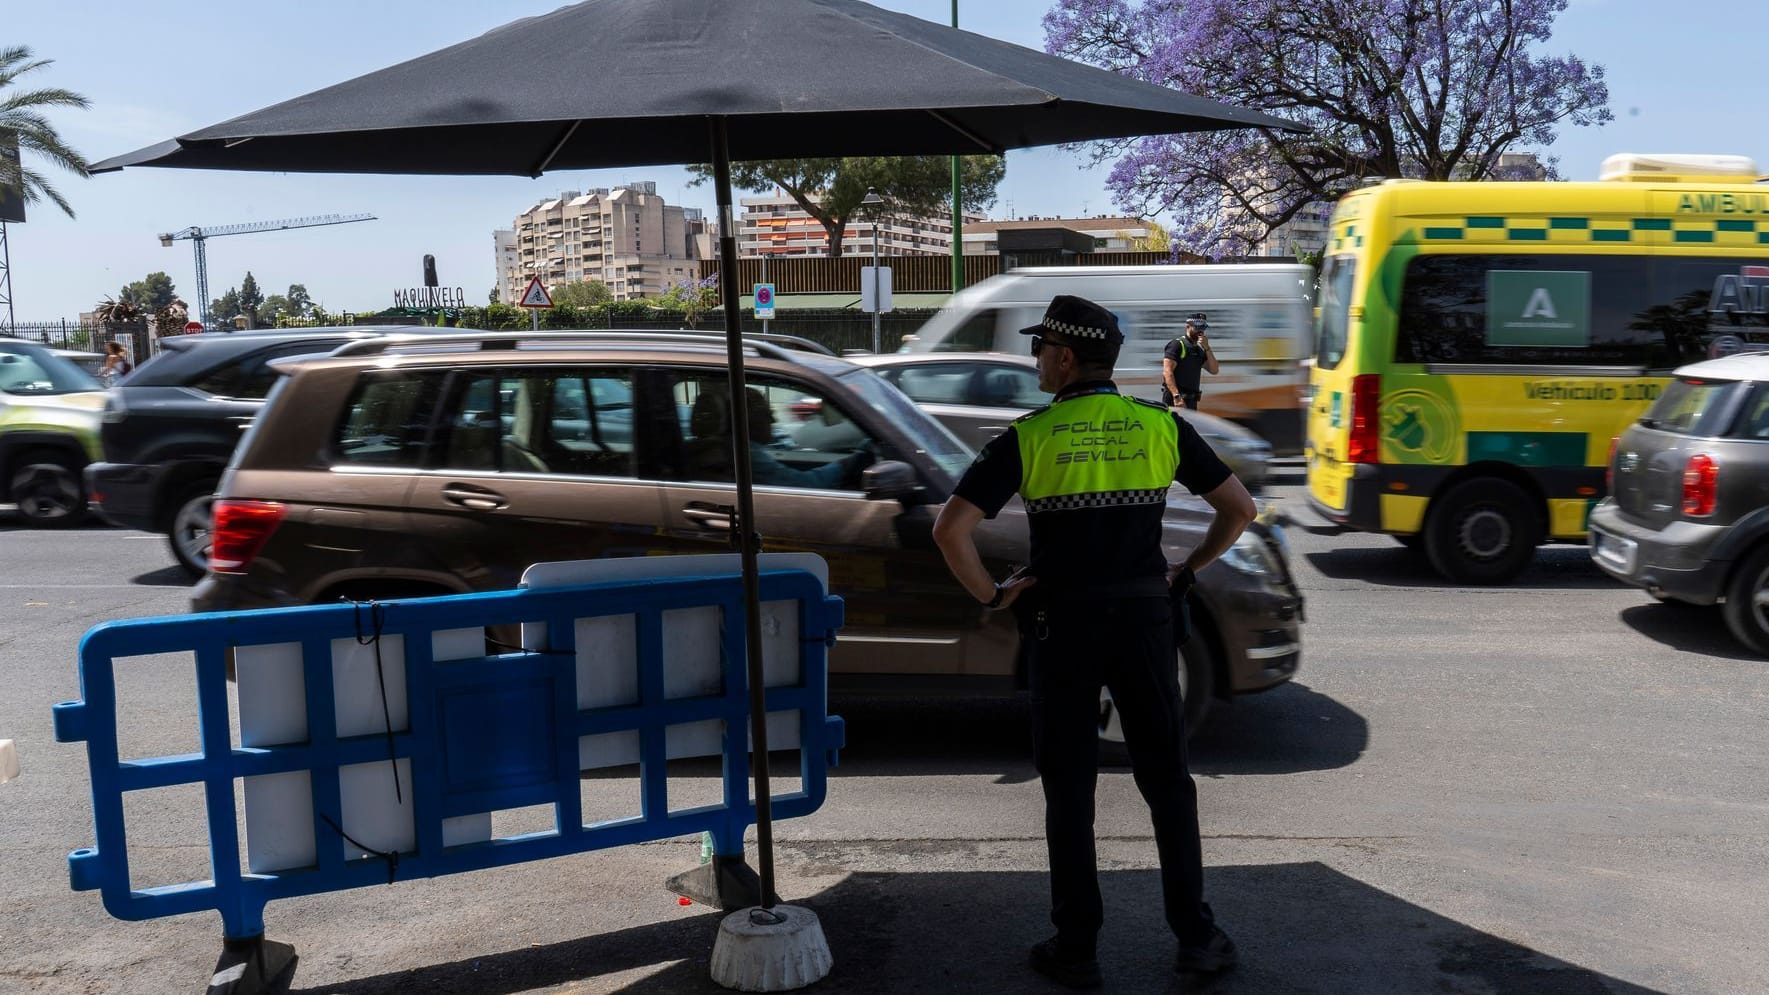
1113, 543
1188, 364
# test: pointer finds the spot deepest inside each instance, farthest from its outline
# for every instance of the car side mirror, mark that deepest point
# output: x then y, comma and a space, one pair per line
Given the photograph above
888, 480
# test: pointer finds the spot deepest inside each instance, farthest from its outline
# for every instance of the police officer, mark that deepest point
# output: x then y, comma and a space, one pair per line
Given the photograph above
1095, 607
1184, 361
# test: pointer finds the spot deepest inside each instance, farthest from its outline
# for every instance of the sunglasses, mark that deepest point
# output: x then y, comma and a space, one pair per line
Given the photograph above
1040, 341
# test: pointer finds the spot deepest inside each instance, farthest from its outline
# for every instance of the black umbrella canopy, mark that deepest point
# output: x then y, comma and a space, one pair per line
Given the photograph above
630, 83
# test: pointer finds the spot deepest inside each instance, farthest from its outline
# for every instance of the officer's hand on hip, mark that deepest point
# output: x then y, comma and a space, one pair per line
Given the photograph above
1016, 584
1180, 578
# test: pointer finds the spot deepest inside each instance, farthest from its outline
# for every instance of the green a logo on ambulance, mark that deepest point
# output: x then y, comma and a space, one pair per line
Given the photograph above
1538, 309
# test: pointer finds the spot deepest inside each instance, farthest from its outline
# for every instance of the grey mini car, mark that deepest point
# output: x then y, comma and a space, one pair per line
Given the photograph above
1688, 515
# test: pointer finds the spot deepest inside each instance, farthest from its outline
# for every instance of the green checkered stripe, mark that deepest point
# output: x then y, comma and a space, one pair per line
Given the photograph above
1488, 229
1346, 236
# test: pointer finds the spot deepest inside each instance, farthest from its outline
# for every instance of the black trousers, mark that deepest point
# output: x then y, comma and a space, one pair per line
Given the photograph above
1126, 646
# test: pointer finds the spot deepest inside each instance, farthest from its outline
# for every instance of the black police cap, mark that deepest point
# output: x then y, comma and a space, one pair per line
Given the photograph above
1081, 325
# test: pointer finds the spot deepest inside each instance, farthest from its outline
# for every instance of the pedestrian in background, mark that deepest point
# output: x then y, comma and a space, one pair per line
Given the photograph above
1095, 606
116, 364
1184, 362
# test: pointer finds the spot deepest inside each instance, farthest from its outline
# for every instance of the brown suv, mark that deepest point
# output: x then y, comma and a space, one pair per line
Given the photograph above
399, 467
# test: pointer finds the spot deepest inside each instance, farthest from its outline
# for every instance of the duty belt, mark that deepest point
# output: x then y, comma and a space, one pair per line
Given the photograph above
1049, 592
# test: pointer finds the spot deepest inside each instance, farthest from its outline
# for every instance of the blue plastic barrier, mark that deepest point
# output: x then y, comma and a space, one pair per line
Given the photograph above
487, 734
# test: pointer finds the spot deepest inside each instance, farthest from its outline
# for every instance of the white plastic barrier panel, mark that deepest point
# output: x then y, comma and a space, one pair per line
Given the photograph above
273, 702
607, 656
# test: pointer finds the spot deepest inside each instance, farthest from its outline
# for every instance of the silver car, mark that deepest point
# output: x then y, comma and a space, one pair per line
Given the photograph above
978, 394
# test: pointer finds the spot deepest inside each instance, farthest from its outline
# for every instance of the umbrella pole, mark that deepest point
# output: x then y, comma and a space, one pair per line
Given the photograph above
747, 536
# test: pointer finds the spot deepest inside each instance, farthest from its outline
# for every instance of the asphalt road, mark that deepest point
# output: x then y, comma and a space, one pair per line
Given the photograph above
1551, 787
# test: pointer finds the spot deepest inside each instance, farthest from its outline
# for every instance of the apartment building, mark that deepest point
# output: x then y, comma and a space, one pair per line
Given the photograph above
1305, 232
1520, 166
775, 225
510, 281
626, 237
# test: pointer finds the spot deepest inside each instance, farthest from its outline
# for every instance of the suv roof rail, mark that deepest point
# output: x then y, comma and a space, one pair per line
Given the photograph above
770, 345
797, 342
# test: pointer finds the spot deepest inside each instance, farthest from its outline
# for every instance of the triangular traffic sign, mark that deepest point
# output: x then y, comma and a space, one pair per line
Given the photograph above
536, 295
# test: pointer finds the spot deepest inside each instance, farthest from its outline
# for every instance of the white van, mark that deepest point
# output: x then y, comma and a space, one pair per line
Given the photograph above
1260, 328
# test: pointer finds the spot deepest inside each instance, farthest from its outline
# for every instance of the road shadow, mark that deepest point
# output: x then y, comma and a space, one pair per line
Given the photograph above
1560, 568
172, 576
1689, 628
1287, 730
1300, 927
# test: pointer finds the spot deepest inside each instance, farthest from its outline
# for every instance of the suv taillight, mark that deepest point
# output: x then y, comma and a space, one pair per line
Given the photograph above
1365, 445
1609, 466
1701, 476
240, 530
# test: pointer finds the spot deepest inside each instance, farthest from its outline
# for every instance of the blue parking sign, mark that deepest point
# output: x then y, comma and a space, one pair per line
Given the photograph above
764, 294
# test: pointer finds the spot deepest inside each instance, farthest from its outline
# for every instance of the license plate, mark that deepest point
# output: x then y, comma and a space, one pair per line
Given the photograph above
1613, 551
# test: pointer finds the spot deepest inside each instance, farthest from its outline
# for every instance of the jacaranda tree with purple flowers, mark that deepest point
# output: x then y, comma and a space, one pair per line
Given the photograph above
1435, 89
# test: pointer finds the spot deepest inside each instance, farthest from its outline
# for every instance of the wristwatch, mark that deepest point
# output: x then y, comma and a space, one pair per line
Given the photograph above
995, 602
1185, 579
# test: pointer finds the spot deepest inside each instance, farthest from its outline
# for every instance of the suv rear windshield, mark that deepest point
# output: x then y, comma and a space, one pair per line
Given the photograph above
1690, 406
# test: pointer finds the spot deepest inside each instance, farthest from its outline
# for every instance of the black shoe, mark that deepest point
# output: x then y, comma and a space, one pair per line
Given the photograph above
1216, 954
1065, 969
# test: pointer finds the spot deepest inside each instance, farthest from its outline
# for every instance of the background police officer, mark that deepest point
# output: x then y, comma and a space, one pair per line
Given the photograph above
1184, 362
1095, 607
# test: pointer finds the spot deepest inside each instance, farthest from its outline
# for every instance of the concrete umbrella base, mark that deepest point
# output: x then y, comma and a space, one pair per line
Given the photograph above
774, 950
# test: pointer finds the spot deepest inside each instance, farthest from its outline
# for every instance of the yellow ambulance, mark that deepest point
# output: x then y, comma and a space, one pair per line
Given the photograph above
1480, 345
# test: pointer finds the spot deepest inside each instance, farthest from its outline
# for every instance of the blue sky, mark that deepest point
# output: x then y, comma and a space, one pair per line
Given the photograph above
1680, 80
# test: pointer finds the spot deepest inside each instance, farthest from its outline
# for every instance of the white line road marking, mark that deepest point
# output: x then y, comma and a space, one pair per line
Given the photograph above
78, 587
107, 535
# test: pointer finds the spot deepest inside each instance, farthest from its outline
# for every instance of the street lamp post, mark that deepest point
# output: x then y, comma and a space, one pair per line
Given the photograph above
957, 207
874, 201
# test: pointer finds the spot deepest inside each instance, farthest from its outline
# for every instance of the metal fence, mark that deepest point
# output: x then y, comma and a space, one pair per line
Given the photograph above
61, 334
84, 337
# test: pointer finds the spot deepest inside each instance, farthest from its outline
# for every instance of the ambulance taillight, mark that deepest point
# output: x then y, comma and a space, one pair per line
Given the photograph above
1365, 445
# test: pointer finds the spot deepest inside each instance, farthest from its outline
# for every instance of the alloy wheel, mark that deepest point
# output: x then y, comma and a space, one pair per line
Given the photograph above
47, 493
191, 528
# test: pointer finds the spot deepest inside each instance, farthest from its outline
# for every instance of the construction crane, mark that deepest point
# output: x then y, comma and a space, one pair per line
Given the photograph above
198, 236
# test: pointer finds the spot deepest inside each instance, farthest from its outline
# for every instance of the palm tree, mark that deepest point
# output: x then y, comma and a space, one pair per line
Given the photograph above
111, 311
21, 118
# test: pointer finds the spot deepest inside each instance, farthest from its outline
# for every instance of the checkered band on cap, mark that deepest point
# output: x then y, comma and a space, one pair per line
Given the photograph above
1104, 499
1079, 331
